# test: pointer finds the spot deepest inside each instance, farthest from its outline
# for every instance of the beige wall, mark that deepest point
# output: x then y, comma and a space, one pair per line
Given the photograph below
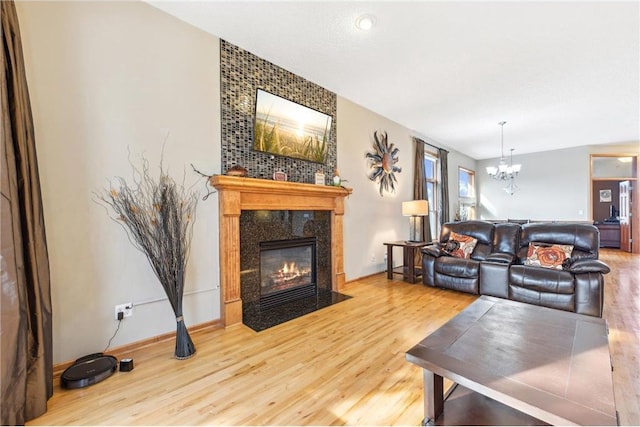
370, 220
107, 78
553, 185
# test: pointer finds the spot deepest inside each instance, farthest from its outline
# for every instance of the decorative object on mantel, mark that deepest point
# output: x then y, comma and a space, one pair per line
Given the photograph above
237, 170
336, 180
208, 179
504, 172
319, 178
279, 176
158, 215
383, 162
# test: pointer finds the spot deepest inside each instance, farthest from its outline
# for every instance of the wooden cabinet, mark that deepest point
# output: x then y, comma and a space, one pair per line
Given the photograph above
609, 235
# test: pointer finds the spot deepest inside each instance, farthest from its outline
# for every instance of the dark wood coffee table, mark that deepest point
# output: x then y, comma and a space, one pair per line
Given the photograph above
549, 364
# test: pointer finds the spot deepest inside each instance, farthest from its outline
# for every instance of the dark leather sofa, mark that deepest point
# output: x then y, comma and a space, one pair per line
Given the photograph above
497, 265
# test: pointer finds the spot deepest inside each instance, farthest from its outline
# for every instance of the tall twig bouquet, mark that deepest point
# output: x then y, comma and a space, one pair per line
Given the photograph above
158, 216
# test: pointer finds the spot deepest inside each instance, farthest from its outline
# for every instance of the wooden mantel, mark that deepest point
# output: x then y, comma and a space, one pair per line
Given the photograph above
237, 194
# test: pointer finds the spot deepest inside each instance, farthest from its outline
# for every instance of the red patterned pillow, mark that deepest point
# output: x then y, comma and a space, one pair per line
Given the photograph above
460, 245
547, 255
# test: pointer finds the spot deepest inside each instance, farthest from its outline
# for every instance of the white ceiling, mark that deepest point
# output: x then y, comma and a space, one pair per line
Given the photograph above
561, 74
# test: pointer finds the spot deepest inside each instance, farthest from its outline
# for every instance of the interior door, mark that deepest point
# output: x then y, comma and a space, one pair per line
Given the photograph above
625, 216
634, 216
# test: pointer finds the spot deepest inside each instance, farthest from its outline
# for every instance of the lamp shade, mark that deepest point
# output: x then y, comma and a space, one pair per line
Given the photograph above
492, 170
415, 208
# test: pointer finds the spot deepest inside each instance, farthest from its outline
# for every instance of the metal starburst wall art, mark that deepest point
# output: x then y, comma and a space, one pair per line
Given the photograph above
383, 163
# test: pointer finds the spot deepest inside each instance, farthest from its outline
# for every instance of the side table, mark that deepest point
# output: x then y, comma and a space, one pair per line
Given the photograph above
410, 272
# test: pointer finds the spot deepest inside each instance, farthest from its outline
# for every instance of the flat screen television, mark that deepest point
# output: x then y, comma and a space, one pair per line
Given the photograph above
286, 128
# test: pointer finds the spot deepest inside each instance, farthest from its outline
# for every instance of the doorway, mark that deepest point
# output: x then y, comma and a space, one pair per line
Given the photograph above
613, 184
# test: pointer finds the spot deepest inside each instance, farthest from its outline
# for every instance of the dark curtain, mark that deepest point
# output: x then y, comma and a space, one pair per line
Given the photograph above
420, 193
444, 184
419, 188
25, 327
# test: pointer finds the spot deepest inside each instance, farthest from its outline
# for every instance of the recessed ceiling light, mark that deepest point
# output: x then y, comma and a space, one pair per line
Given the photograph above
365, 22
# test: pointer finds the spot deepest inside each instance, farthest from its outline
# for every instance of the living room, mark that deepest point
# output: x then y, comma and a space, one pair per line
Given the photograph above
111, 82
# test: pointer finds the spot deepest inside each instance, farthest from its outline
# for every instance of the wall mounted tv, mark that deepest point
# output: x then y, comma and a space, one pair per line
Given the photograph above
286, 128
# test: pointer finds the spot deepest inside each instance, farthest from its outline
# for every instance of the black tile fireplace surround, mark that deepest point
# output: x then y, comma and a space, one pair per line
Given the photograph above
257, 227
259, 320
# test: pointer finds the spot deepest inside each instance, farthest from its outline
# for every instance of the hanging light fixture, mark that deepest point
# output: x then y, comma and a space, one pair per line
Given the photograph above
505, 172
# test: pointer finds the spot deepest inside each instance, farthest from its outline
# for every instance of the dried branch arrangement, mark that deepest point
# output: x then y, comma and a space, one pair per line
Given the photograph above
158, 216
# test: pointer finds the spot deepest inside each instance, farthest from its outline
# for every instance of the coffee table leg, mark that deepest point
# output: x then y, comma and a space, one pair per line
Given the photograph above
389, 262
433, 397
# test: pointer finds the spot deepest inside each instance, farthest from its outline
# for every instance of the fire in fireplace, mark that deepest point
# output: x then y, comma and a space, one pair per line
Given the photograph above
287, 271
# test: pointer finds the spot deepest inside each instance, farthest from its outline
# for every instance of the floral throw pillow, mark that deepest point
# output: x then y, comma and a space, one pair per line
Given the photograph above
460, 245
547, 255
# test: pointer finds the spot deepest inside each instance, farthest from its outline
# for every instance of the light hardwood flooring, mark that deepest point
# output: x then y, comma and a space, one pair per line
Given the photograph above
622, 311
341, 365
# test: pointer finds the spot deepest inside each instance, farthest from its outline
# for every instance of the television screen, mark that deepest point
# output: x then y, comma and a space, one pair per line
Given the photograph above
285, 128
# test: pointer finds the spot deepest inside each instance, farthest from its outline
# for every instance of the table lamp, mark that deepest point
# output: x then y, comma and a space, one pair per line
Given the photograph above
415, 209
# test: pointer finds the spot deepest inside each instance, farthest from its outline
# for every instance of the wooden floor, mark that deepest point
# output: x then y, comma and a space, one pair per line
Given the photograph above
622, 311
341, 365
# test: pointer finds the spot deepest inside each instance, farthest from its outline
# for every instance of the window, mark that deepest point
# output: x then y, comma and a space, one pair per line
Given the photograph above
466, 194
466, 183
431, 174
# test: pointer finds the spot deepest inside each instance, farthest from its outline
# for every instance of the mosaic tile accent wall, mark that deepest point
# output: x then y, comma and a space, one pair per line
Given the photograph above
241, 74
259, 226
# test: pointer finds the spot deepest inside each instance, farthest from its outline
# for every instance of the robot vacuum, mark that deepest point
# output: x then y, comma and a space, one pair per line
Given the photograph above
88, 370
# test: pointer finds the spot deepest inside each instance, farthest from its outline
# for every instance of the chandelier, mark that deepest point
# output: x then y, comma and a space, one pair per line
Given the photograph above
505, 172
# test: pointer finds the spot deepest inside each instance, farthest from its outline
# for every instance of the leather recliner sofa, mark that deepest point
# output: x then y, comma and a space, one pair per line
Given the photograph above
497, 266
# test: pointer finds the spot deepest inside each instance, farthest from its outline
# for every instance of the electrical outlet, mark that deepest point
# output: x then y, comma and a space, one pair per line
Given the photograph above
373, 258
125, 309
385, 257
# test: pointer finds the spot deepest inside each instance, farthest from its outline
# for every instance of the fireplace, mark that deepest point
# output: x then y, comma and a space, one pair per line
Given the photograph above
239, 195
285, 265
287, 271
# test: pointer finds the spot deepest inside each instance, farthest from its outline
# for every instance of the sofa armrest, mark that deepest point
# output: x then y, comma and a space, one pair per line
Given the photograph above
433, 250
500, 257
580, 266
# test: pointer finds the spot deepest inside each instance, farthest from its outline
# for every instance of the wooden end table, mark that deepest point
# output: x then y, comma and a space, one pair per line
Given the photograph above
410, 272
548, 364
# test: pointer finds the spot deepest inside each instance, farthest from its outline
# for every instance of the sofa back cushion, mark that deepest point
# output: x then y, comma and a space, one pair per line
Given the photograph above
584, 238
505, 238
482, 231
